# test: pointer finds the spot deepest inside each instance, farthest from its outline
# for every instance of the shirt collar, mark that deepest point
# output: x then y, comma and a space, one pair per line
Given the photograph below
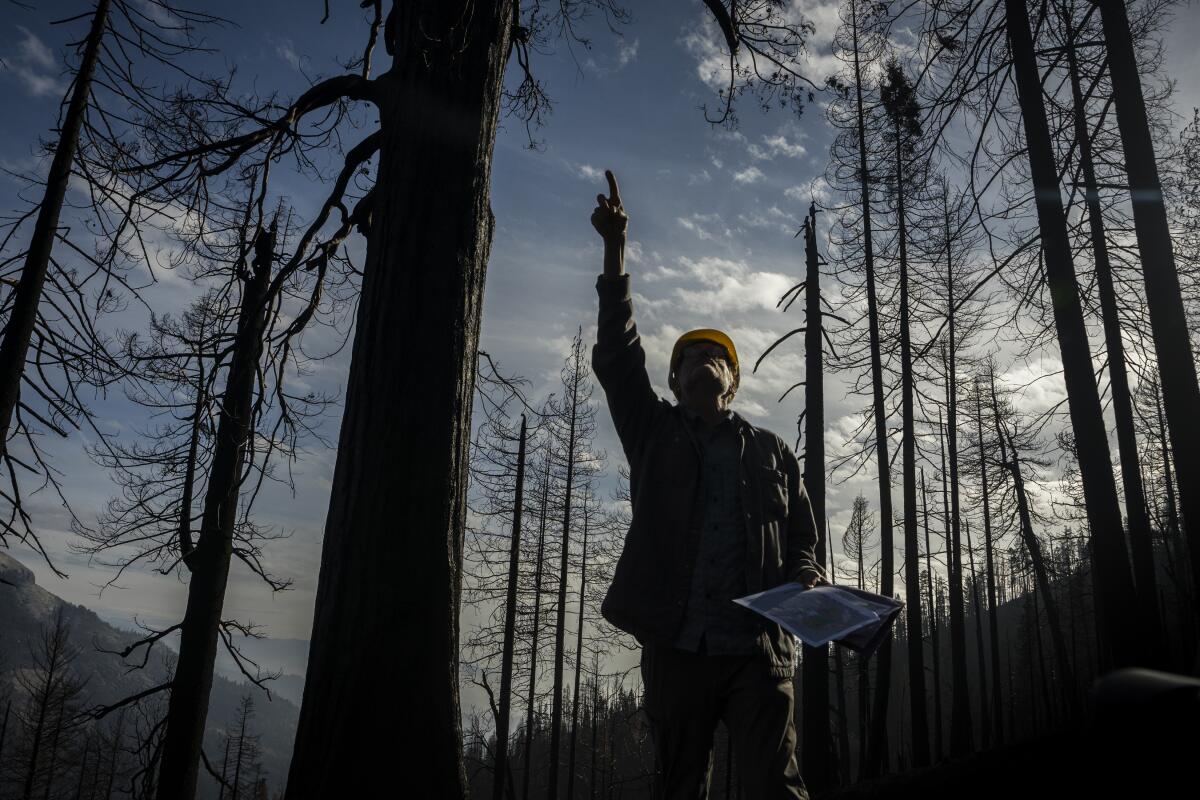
695, 419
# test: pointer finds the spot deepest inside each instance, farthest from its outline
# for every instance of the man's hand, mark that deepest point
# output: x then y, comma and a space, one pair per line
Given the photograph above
609, 220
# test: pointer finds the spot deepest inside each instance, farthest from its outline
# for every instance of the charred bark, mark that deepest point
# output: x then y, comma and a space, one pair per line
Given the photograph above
27, 295
816, 755
1141, 543
1168, 323
404, 443
209, 560
1114, 582
501, 777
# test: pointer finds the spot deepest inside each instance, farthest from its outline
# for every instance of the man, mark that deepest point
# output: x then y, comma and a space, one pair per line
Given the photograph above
719, 512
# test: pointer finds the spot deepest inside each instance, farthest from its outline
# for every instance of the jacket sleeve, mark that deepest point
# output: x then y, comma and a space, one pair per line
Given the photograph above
800, 563
620, 365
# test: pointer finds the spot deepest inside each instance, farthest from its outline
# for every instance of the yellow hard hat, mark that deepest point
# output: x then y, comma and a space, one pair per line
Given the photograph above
702, 335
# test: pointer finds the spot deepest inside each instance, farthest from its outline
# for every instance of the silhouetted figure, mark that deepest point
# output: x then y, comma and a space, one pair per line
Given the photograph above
719, 511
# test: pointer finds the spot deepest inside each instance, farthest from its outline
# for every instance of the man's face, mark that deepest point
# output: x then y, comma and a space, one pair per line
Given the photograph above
705, 369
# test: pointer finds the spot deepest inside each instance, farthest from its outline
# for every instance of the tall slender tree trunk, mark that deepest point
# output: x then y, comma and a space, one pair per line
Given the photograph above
1168, 480
961, 731
113, 754
404, 441
1043, 673
912, 552
27, 297
1168, 323
1115, 584
839, 672
237, 760
1034, 548
578, 656
1141, 543
54, 741
876, 751
87, 746
4, 727
816, 755
595, 742
989, 566
939, 745
560, 627
224, 771
187, 710
502, 776
985, 722
537, 608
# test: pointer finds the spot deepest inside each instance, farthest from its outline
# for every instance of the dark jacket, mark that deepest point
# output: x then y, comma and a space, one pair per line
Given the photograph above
653, 576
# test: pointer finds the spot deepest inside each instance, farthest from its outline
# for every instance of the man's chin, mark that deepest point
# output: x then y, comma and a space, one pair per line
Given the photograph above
704, 386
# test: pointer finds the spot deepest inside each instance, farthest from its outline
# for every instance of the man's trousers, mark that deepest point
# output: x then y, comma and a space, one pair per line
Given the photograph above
686, 694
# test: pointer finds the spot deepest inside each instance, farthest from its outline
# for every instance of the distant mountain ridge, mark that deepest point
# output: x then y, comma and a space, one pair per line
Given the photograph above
26, 608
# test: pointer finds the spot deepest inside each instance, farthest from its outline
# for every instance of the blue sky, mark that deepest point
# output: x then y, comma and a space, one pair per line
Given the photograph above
712, 218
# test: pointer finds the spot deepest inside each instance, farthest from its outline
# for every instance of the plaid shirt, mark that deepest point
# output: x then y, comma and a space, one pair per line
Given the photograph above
712, 622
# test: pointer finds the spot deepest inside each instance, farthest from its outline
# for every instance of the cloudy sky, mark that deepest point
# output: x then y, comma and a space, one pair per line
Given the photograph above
712, 218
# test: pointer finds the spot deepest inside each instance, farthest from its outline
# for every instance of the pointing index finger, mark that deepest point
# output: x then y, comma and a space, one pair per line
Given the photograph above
614, 195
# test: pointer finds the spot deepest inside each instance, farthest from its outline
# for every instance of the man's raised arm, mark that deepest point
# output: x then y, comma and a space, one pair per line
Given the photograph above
618, 359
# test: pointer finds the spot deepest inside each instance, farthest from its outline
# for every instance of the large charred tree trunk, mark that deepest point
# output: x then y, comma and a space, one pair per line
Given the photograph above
510, 623
392, 554
208, 561
27, 296
1118, 616
1141, 543
1172, 345
816, 760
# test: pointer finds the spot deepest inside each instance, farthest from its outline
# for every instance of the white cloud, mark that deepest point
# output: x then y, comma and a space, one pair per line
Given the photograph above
33, 51
588, 172
816, 190
34, 66
748, 175
780, 146
707, 227
285, 51
705, 43
1037, 385
696, 178
714, 285
626, 52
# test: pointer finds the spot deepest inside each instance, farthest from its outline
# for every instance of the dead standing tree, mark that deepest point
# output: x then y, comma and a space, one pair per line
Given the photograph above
817, 756
246, 331
903, 133
860, 44
1172, 343
1118, 607
52, 347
